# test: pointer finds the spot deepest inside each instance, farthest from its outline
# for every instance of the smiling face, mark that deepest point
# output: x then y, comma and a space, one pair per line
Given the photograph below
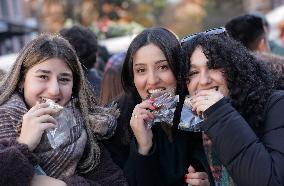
151, 71
51, 79
202, 78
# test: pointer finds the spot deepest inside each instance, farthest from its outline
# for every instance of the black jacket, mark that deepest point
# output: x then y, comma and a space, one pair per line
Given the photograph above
253, 158
166, 164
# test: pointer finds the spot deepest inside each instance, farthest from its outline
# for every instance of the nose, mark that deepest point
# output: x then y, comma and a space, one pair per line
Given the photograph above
205, 78
53, 88
153, 78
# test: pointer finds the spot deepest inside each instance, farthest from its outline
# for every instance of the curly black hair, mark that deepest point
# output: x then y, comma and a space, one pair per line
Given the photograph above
249, 83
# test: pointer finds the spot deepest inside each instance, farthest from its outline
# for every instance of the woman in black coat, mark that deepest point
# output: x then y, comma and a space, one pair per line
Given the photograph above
161, 155
243, 112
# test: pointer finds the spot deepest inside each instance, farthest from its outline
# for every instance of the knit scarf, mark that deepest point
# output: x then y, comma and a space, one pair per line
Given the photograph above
59, 162
219, 172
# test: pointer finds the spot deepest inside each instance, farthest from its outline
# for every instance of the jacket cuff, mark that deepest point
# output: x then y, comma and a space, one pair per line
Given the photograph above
75, 181
139, 159
33, 159
215, 112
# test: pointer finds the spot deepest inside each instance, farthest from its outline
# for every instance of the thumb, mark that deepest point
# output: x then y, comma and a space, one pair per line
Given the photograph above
191, 169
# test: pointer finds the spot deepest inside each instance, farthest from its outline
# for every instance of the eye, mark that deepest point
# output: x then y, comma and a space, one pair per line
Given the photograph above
192, 73
64, 79
140, 70
45, 77
164, 67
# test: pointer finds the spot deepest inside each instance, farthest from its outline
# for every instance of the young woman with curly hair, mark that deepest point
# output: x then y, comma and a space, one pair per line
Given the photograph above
243, 113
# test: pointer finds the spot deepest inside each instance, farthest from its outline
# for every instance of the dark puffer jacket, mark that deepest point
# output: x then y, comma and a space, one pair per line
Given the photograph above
252, 157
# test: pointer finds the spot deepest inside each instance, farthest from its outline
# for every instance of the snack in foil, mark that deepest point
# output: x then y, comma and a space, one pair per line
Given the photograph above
189, 121
52, 104
61, 133
165, 104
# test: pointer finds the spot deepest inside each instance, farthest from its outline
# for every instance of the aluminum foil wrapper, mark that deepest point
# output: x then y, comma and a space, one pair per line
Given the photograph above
65, 119
189, 121
165, 104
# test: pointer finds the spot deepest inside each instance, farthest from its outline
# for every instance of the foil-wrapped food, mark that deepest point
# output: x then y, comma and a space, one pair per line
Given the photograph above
61, 133
52, 104
165, 104
189, 121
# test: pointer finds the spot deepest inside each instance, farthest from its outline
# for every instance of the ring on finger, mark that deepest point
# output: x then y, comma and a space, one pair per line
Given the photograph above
135, 116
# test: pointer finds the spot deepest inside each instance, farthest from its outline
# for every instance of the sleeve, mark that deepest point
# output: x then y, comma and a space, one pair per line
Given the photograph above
106, 173
16, 163
141, 170
250, 160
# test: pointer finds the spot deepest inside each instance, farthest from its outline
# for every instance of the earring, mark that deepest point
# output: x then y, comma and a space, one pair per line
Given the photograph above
21, 90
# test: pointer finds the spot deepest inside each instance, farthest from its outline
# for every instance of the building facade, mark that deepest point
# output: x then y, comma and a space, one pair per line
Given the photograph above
17, 26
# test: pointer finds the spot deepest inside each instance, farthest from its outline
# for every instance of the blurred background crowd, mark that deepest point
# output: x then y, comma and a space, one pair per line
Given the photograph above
116, 22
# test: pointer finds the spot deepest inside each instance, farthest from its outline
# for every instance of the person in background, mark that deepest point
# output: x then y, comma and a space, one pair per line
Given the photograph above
111, 88
249, 29
242, 109
48, 68
276, 64
103, 56
161, 155
85, 44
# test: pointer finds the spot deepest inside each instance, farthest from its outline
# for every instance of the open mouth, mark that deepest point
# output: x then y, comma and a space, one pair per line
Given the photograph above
44, 99
157, 90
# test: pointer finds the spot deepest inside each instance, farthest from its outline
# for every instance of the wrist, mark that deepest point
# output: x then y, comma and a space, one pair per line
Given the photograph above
21, 141
144, 150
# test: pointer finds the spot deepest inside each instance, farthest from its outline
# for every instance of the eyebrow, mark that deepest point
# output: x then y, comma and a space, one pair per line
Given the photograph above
156, 62
67, 74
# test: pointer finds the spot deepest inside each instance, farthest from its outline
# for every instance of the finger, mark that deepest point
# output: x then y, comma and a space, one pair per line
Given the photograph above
139, 119
198, 182
201, 98
45, 126
197, 175
147, 104
151, 115
44, 111
190, 169
47, 119
38, 106
206, 92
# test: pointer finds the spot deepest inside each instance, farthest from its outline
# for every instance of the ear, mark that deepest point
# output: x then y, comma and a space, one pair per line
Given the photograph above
263, 46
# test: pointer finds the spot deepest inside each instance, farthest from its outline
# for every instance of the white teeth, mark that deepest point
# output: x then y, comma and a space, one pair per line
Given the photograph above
43, 99
155, 90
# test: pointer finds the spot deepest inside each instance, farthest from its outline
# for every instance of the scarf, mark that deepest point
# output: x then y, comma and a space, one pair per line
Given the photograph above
219, 172
59, 162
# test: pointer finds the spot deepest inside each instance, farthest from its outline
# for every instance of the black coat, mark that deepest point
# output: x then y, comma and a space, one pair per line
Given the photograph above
167, 162
253, 158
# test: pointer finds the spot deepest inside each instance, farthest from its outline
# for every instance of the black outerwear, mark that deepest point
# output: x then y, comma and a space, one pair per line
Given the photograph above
252, 157
167, 162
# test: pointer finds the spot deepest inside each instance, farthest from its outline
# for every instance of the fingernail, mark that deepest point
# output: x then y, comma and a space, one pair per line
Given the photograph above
152, 99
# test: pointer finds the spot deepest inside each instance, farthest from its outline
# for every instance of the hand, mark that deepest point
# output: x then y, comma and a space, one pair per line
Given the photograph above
142, 133
204, 99
196, 178
35, 122
46, 181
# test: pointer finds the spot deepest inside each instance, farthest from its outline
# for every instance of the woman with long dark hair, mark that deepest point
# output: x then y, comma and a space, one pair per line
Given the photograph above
160, 155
